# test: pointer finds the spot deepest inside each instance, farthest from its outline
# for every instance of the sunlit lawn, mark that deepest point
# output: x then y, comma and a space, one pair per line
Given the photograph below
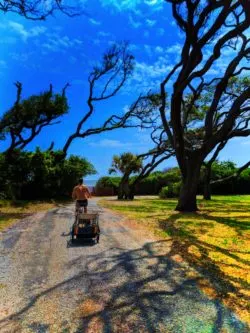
215, 241
10, 212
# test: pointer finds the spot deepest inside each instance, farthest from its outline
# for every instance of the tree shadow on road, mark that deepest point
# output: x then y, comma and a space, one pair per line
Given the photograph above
148, 289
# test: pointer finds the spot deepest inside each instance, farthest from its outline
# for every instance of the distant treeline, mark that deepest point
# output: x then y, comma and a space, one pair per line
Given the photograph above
40, 175
171, 179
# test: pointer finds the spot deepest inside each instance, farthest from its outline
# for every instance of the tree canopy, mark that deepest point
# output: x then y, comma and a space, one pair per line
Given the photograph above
41, 175
26, 119
209, 27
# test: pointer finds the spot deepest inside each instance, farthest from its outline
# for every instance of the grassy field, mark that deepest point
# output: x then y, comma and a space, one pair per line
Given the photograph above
10, 212
214, 241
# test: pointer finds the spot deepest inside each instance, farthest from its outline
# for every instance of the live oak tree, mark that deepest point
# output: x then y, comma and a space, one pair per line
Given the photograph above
210, 29
28, 117
235, 87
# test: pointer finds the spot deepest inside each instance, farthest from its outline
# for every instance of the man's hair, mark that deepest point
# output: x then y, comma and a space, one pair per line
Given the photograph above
80, 181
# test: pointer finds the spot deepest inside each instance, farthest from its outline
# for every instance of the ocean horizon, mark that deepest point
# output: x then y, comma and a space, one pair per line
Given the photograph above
90, 182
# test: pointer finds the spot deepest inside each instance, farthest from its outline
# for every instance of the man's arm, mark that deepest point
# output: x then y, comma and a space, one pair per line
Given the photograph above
89, 194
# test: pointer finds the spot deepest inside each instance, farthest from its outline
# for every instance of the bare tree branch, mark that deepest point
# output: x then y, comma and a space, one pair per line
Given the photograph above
39, 9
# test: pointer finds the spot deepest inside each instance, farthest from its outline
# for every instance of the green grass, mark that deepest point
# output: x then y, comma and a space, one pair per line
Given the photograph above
11, 212
215, 241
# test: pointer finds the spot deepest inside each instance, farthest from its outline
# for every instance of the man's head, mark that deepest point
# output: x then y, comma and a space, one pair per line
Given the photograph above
80, 181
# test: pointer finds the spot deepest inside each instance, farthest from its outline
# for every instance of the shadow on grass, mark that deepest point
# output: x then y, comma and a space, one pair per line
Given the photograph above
137, 290
183, 240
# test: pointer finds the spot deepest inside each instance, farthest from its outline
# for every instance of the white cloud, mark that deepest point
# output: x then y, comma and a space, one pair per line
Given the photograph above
106, 143
36, 31
150, 23
146, 34
159, 49
122, 5
133, 47
133, 23
153, 2
109, 143
94, 22
126, 109
149, 75
104, 34
25, 33
213, 72
176, 49
181, 34
56, 43
20, 57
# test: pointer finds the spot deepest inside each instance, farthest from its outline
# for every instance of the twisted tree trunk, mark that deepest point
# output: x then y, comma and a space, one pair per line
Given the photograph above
123, 190
187, 199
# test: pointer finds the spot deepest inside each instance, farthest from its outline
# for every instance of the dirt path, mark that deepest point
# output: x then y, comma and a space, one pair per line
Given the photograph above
127, 283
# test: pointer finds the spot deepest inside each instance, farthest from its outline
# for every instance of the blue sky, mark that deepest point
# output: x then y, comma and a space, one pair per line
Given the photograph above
64, 49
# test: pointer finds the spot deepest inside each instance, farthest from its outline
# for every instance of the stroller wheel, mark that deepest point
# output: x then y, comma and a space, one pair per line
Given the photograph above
72, 236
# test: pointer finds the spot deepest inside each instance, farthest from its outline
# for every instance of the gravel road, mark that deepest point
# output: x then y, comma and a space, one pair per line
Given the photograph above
129, 282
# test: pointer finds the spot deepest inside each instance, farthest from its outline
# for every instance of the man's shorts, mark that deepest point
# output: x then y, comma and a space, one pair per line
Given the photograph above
82, 203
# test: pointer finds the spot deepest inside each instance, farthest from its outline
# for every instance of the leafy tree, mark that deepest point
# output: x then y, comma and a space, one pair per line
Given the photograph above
37, 175
219, 25
107, 183
126, 164
26, 119
224, 175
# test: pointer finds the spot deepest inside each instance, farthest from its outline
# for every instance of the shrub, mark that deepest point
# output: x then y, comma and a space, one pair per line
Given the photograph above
170, 191
107, 186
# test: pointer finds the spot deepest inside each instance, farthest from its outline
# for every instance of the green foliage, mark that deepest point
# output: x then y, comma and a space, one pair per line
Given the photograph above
105, 182
223, 169
126, 163
171, 178
170, 191
154, 183
150, 185
41, 175
32, 113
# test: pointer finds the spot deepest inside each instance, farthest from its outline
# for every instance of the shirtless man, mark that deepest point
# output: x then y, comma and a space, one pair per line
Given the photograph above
81, 194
